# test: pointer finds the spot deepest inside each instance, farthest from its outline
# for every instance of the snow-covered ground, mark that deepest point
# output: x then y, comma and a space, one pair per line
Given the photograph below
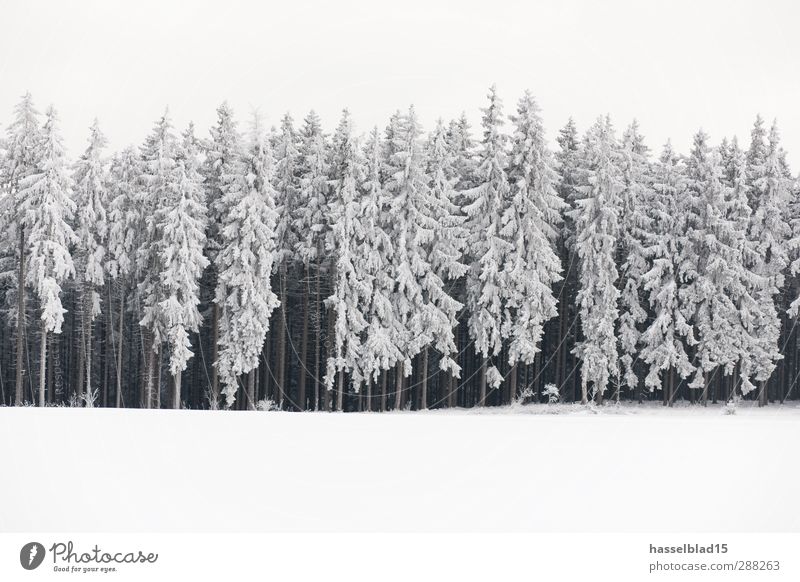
533, 468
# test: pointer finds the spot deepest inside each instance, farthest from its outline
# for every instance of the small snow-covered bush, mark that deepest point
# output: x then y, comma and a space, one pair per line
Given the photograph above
523, 395
266, 405
552, 394
89, 398
731, 406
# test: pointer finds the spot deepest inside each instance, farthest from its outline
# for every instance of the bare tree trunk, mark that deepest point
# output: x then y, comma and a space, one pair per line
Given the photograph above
251, 389
383, 390
453, 387
214, 355
51, 367
512, 384
158, 378
301, 383
20, 318
398, 386
317, 335
423, 397
584, 393
671, 377
87, 349
482, 400
108, 332
43, 366
176, 391
81, 383
340, 391
705, 389
151, 370
120, 337
762, 394
368, 395
282, 337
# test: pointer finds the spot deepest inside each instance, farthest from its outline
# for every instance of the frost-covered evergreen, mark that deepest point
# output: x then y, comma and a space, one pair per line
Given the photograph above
247, 250
123, 215
634, 223
597, 227
183, 228
159, 190
712, 267
418, 217
286, 186
89, 176
568, 161
20, 161
350, 289
380, 352
221, 172
487, 248
462, 146
664, 341
46, 212
125, 228
312, 169
530, 225
311, 228
769, 230
428, 271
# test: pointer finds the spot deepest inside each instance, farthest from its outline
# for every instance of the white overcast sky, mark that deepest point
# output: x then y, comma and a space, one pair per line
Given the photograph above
675, 66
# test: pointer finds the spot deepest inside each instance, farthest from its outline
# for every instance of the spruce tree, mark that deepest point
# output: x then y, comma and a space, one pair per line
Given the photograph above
420, 218
183, 227
310, 226
92, 230
350, 290
46, 211
530, 225
247, 251
221, 173
124, 236
769, 231
24, 135
634, 223
664, 341
487, 248
597, 227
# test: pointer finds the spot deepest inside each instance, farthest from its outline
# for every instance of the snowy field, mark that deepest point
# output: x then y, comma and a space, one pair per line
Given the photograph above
534, 468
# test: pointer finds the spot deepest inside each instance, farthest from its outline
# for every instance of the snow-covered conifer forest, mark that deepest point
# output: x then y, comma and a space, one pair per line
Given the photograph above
303, 267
